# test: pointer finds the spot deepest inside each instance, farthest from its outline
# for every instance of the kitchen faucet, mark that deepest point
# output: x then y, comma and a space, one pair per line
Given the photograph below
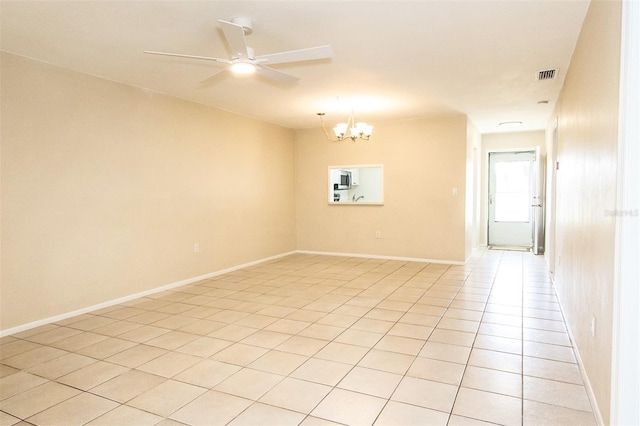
354, 199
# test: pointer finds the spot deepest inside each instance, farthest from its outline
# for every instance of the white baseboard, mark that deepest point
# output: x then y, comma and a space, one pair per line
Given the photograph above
583, 371
587, 383
88, 309
192, 280
374, 256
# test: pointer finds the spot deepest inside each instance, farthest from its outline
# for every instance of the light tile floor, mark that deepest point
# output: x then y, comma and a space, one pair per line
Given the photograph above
310, 339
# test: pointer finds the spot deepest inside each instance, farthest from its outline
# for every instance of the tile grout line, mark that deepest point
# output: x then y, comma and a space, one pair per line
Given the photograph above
334, 387
474, 341
379, 293
522, 342
425, 342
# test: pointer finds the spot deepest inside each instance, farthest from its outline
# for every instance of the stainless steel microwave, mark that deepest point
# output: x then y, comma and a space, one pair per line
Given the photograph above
344, 181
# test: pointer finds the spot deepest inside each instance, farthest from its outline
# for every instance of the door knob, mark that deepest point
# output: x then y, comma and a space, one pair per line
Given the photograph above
536, 205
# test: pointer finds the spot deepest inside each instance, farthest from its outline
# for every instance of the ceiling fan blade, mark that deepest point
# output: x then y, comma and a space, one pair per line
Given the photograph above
180, 55
213, 79
234, 34
309, 54
276, 75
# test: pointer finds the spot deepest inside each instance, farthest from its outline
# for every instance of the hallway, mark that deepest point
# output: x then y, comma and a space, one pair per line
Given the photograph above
311, 339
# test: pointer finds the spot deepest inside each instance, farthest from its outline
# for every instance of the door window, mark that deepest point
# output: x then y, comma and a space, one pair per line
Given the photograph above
512, 196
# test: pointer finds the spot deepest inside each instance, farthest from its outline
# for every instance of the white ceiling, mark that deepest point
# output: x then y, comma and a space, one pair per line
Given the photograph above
392, 59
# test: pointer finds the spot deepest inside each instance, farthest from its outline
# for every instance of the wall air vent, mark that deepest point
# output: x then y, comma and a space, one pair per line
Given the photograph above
547, 74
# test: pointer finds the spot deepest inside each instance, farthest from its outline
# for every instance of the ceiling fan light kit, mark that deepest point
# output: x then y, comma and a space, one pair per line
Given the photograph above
243, 68
349, 130
243, 60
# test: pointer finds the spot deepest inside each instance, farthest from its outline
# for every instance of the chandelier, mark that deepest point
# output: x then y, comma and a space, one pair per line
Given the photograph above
359, 130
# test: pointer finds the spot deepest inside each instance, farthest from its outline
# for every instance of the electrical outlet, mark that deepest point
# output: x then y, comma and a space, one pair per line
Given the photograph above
196, 248
378, 234
593, 326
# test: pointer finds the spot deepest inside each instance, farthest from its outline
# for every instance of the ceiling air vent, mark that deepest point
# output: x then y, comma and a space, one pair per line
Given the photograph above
547, 74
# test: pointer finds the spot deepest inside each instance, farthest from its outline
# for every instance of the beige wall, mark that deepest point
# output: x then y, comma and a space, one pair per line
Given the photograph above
106, 188
423, 161
586, 190
503, 142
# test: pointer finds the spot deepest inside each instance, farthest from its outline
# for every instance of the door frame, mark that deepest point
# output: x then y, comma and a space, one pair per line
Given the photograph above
552, 174
485, 189
540, 204
625, 368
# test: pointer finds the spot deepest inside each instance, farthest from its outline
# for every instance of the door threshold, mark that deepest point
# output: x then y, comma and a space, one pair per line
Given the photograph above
509, 248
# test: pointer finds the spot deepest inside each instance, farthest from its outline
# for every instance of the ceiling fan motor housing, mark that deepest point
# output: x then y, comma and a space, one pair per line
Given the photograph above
245, 23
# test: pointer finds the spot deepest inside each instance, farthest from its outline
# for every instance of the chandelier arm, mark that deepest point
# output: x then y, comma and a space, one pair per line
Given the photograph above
337, 139
350, 124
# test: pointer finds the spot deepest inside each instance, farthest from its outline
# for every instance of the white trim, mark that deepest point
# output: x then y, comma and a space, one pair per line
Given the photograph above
509, 150
130, 297
374, 256
587, 383
625, 355
355, 166
61, 317
583, 372
551, 190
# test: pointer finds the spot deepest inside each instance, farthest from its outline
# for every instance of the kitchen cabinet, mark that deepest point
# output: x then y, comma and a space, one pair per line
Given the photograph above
355, 177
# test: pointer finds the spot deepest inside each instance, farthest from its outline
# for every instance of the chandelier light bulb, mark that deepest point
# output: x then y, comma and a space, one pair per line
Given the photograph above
340, 129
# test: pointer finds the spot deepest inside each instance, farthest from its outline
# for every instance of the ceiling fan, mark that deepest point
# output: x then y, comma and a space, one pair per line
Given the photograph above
243, 59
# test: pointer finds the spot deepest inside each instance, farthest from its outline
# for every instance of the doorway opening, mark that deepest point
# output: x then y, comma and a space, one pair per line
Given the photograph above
511, 194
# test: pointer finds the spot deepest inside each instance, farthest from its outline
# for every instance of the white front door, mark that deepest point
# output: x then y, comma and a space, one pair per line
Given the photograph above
511, 185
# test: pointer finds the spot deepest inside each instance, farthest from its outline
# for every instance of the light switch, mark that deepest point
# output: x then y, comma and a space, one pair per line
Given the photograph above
454, 192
